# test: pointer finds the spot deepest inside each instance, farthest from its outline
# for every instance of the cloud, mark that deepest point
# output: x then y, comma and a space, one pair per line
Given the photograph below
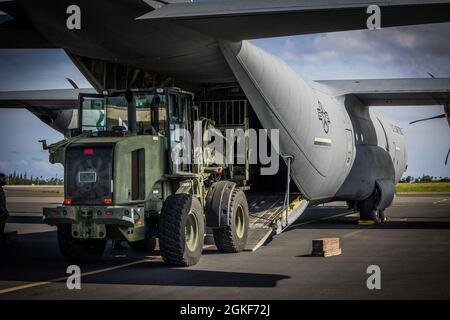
32, 168
19, 132
390, 52
19, 70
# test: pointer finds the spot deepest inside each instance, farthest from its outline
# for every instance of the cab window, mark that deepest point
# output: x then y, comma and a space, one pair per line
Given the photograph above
93, 114
150, 113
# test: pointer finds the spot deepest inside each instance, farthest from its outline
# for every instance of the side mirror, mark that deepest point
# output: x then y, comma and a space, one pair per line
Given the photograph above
44, 144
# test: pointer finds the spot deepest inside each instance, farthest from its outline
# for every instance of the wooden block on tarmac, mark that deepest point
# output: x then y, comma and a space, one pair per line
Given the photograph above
325, 244
326, 247
328, 253
366, 222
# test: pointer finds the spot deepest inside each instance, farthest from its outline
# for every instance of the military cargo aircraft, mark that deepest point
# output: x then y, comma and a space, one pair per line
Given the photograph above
334, 145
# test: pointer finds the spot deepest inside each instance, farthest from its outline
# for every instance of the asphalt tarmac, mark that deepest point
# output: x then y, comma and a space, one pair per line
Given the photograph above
412, 251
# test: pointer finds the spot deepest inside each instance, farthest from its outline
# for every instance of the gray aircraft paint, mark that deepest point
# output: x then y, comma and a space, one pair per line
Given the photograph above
283, 100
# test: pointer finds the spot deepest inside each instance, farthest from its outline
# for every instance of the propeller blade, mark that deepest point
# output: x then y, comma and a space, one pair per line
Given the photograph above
72, 83
432, 118
446, 159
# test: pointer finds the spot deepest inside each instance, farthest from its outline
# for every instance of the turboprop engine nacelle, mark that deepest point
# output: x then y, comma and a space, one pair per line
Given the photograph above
62, 121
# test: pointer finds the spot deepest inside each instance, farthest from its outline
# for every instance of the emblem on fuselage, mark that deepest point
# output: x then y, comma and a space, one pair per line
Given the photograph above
324, 117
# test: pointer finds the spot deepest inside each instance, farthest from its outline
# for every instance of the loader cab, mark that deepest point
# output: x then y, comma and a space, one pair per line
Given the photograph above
161, 112
158, 111
107, 114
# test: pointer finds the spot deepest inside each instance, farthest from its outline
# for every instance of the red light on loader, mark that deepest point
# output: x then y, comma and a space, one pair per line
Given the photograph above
88, 152
107, 201
68, 202
109, 213
55, 213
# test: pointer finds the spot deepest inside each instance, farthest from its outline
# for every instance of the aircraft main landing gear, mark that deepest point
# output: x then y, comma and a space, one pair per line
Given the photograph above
368, 209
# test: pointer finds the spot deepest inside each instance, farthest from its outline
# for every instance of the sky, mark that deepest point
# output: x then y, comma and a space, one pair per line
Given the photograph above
386, 53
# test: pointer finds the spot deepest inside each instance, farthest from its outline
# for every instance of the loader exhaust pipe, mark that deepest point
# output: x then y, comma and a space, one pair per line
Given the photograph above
131, 111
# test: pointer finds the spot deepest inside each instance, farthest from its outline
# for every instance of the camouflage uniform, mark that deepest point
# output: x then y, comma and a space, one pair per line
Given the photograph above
3, 211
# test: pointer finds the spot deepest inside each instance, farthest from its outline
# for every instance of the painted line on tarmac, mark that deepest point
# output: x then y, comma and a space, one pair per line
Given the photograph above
440, 201
353, 233
42, 283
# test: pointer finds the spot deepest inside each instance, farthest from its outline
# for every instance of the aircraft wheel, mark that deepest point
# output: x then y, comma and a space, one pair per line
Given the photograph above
367, 208
78, 251
148, 244
234, 237
371, 215
382, 216
375, 216
181, 230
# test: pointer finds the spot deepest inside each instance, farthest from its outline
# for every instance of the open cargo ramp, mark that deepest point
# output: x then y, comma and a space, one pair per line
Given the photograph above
268, 212
268, 215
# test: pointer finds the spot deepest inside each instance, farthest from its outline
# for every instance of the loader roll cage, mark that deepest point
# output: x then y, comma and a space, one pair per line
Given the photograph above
158, 111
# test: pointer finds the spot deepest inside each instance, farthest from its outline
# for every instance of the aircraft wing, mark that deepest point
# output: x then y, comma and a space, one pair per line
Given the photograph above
17, 32
391, 92
57, 99
236, 20
57, 108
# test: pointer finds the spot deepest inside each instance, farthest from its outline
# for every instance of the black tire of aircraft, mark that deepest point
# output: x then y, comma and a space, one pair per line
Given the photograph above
367, 208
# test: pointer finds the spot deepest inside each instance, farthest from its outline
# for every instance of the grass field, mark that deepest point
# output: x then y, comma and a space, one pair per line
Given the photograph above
57, 190
423, 187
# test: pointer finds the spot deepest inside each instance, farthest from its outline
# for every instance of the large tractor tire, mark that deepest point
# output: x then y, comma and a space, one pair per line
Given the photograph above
147, 245
79, 251
181, 230
233, 238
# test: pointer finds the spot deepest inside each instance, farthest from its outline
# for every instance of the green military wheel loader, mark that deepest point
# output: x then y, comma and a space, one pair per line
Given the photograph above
121, 181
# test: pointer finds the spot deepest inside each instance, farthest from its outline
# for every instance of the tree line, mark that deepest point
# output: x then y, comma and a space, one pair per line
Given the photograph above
23, 179
424, 178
